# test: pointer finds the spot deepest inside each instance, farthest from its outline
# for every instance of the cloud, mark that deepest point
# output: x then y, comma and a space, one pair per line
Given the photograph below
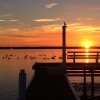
47, 20
1, 20
14, 29
13, 20
82, 28
51, 5
74, 24
97, 30
84, 19
6, 15
18, 36
46, 29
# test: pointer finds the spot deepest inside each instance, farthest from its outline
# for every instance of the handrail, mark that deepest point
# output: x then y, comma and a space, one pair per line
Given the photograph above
77, 55
83, 52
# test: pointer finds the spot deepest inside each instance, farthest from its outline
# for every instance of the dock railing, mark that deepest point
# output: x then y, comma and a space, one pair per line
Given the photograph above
83, 55
84, 69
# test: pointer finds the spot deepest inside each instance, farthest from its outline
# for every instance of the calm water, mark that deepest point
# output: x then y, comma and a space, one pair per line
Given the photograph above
11, 61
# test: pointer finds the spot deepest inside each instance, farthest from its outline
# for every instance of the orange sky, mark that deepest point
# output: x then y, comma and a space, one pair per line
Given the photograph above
39, 23
77, 34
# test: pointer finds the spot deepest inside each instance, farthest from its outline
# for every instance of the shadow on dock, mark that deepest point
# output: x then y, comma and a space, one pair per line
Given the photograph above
50, 83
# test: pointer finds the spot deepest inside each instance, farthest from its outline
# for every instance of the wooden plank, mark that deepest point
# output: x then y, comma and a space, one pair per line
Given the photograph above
96, 66
81, 75
82, 65
83, 51
87, 71
82, 57
78, 47
81, 68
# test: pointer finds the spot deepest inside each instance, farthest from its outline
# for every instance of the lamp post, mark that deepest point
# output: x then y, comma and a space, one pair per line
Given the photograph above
64, 43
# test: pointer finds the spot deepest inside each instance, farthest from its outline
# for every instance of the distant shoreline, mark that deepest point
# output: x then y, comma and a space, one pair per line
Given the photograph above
49, 47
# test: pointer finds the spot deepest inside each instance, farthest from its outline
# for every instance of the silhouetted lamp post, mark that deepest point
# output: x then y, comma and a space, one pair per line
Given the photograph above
64, 43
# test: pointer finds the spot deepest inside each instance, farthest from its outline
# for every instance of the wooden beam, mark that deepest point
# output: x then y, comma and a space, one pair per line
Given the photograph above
83, 51
81, 71
81, 75
82, 57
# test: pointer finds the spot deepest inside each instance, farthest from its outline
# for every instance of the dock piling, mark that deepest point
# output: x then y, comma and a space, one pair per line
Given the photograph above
22, 85
92, 82
84, 85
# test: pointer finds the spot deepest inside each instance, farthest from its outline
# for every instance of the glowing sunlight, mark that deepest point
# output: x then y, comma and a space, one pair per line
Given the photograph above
87, 60
87, 44
87, 53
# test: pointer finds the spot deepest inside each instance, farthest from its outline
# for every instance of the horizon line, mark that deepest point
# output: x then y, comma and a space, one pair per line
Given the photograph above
47, 47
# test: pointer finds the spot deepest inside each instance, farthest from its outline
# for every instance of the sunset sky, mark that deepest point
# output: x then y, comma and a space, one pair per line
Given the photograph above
39, 22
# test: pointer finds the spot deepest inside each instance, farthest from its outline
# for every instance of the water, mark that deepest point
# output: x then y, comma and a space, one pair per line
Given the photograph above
11, 61
9, 70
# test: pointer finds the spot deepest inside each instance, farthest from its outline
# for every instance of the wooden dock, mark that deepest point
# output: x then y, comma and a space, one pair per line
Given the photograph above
50, 83
50, 80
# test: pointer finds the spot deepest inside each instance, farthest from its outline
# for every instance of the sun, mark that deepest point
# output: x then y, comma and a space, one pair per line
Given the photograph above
87, 44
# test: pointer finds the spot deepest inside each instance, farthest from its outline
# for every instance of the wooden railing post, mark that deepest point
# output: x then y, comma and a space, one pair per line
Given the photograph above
22, 85
84, 85
92, 82
97, 58
74, 58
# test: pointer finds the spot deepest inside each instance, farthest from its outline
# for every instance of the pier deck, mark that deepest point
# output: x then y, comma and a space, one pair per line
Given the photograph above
50, 83
71, 69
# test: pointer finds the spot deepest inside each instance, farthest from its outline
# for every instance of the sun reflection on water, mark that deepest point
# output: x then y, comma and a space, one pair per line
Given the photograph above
87, 53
